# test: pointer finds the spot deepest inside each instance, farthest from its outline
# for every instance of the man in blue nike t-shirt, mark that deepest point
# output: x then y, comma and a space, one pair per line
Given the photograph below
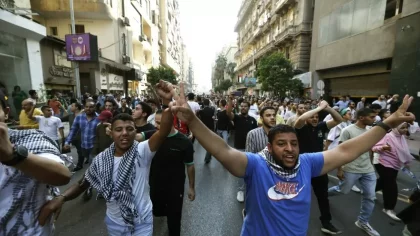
278, 179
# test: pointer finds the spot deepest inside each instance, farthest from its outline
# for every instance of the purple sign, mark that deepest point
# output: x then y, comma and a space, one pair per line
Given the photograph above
81, 47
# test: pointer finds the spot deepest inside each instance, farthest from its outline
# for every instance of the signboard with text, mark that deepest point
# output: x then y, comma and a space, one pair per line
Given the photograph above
250, 82
81, 47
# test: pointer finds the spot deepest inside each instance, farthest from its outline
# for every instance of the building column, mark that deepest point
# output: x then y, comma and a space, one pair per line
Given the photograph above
35, 63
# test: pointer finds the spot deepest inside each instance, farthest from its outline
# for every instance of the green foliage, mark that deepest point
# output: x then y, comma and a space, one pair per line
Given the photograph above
275, 73
221, 63
230, 69
161, 73
223, 86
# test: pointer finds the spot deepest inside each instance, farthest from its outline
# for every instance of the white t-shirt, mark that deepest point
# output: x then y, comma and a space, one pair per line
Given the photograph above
49, 125
382, 103
253, 111
141, 190
335, 133
194, 106
151, 119
21, 199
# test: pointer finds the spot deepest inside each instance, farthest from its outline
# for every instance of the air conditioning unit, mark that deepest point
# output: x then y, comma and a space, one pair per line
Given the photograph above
126, 21
126, 59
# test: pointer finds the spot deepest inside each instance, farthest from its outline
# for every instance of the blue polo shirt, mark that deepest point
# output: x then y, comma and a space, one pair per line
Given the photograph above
276, 205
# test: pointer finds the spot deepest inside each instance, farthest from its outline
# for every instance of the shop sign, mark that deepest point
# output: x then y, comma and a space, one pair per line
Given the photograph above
61, 71
81, 47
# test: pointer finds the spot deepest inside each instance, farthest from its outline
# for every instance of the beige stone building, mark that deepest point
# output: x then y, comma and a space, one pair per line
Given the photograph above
265, 26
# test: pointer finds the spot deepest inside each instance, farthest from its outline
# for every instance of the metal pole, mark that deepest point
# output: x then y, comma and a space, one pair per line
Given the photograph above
75, 63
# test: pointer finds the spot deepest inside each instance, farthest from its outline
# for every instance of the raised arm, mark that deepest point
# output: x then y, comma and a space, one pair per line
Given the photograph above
349, 150
337, 119
300, 122
40, 168
233, 160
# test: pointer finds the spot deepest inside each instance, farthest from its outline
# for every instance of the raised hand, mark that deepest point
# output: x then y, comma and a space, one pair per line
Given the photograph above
323, 104
401, 115
165, 90
181, 108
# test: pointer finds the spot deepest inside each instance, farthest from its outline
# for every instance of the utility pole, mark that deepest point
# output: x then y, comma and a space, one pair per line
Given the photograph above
75, 63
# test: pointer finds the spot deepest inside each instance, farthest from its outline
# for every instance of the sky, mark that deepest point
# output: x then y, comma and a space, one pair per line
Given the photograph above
206, 27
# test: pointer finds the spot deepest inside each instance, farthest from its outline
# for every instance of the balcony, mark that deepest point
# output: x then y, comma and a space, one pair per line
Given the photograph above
245, 63
87, 9
283, 5
264, 50
238, 53
287, 34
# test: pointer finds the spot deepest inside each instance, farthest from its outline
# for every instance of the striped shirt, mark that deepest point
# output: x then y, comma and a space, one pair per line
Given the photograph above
87, 130
256, 140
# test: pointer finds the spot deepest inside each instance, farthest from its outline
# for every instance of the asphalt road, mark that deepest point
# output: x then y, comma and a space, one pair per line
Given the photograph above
216, 212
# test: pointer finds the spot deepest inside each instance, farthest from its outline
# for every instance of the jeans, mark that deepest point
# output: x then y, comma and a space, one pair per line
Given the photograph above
368, 183
320, 187
224, 134
387, 182
114, 229
86, 153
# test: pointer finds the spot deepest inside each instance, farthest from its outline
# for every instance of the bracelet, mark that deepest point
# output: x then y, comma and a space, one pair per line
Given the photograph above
384, 126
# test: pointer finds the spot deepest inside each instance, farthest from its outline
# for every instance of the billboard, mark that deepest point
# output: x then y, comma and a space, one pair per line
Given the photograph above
250, 82
81, 47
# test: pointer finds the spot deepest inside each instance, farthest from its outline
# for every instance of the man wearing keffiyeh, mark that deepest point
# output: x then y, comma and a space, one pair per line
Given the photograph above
121, 174
29, 162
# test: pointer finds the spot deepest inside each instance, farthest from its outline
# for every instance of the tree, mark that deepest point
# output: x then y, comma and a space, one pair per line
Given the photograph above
230, 69
221, 63
161, 73
225, 85
275, 73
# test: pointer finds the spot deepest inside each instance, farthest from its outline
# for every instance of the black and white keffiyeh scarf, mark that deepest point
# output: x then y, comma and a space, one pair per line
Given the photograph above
282, 172
38, 142
100, 176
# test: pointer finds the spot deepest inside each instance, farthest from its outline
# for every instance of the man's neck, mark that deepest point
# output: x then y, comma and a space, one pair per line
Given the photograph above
266, 129
360, 124
140, 122
77, 113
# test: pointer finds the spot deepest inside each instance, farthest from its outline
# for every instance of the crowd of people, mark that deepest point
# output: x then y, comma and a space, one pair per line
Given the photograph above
139, 153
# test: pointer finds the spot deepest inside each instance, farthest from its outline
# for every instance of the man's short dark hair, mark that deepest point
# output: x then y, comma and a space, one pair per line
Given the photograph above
78, 106
32, 92
364, 112
264, 109
123, 117
375, 106
279, 129
44, 107
247, 103
146, 108
152, 101
191, 96
206, 102
223, 102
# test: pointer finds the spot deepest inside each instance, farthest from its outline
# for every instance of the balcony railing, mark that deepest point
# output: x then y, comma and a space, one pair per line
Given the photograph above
283, 4
264, 50
288, 33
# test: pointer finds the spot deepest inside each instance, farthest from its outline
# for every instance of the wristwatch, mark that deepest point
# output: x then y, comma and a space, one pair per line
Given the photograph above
20, 153
384, 126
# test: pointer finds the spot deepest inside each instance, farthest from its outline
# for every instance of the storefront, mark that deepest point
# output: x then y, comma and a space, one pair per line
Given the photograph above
20, 58
58, 71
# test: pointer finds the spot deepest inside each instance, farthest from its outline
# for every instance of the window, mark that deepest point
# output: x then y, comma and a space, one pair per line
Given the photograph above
393, 8
287, 53
80, 29
154, 17
53, 31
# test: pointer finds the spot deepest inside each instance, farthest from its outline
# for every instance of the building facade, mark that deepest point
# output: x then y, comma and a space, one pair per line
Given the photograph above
267, 26
170, 36
128, 39
20, 57
365, 48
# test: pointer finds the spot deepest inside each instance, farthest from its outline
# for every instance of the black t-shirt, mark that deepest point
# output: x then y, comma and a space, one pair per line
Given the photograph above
311, 139
411, 217
206, 116
144, 128
168, 164
222, 120
243, 124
